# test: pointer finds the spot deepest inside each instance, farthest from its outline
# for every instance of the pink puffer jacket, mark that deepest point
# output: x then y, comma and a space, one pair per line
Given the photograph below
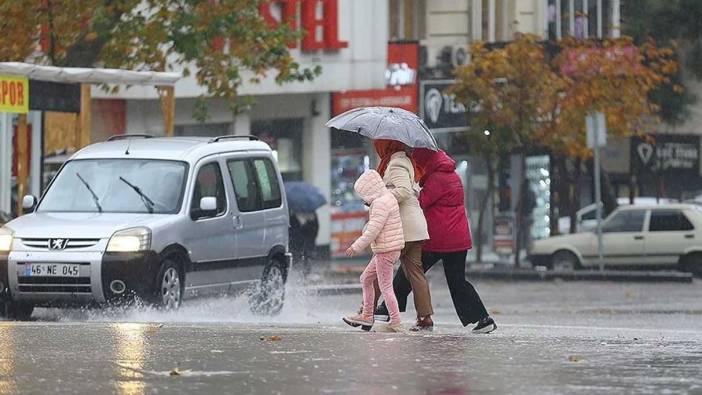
383, 232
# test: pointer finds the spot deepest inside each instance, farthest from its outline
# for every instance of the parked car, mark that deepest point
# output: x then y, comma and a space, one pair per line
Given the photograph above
586, 217
160, 219
632, 236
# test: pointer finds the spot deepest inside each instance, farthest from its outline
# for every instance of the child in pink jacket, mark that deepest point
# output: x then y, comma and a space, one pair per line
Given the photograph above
383, 233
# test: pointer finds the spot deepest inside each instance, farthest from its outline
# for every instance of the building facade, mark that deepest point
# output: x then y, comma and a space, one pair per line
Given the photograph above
289, 117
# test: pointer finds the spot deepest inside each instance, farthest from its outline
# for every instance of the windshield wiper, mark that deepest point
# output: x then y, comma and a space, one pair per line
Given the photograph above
148, 203
96, 199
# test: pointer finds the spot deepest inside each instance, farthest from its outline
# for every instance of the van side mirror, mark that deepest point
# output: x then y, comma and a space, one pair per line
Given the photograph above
208, 205
28, 202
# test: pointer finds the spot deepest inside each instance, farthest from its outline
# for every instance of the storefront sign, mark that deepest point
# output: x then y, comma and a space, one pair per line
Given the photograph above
54, 96
439, 109
14, 94
666, 153
400, 80
277, 11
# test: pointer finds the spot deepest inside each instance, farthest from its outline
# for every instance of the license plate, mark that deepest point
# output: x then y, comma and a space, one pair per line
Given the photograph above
52, 270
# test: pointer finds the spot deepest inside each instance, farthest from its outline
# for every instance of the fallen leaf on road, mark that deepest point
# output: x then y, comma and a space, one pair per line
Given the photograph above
574, 358
174, 372
274, 338
496, 312
153, 329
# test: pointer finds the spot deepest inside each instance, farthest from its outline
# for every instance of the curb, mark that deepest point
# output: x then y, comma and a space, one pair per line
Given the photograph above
534, 275
608, 275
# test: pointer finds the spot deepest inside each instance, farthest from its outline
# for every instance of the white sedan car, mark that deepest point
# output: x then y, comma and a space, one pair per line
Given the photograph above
632, 236
586, 216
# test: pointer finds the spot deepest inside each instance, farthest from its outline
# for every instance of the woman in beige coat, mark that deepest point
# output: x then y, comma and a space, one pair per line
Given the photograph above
398, 172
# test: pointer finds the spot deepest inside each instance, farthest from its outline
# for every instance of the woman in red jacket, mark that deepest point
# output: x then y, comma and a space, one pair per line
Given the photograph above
442, 201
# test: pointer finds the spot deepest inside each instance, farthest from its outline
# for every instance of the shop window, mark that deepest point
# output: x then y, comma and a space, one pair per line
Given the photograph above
284, 136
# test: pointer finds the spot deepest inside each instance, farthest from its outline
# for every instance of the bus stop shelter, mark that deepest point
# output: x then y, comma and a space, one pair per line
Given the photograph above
28, 87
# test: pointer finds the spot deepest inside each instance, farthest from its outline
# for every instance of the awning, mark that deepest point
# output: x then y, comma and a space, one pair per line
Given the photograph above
89, 75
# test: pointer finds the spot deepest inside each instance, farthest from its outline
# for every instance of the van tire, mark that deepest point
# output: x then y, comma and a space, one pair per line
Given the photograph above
16, 311
169, 287
268, 297
563, 260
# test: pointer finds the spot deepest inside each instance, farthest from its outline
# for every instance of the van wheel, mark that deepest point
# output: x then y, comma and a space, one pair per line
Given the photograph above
169, 282
16, 311
564, 261
268, 297
692, 263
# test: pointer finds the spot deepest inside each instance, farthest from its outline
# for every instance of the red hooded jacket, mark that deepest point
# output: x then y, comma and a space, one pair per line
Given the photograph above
442, 200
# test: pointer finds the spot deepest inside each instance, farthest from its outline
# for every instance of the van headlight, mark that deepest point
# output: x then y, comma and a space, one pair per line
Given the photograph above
6, 235
130, 240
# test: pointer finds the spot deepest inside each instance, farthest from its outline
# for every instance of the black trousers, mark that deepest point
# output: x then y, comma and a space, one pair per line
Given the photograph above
466, 301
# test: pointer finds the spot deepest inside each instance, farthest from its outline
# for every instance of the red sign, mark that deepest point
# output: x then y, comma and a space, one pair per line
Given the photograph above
400, 79
328, 22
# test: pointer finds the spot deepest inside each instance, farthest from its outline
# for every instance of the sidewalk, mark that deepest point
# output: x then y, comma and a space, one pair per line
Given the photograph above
343, 274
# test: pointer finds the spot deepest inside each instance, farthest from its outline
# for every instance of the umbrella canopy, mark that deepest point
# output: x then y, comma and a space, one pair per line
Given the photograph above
388, 123
303, 197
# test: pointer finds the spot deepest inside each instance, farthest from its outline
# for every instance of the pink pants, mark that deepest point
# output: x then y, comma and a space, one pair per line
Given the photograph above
380, 268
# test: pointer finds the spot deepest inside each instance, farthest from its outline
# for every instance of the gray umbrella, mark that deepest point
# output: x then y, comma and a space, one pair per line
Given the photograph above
387, 123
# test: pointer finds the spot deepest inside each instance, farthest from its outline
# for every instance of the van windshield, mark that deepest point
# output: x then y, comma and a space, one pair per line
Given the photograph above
117, 186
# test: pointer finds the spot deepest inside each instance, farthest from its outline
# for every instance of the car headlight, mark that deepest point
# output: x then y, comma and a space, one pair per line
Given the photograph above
130, 240
6, 239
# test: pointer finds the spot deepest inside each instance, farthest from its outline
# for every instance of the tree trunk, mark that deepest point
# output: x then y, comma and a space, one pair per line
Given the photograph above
574, 195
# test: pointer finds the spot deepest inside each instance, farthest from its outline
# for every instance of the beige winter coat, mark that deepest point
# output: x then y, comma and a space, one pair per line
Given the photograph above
399, 178
383, 232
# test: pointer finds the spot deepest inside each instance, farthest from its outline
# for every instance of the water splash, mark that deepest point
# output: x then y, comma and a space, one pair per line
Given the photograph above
302, 306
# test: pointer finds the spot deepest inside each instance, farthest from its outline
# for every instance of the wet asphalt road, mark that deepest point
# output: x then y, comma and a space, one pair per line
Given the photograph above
553, 338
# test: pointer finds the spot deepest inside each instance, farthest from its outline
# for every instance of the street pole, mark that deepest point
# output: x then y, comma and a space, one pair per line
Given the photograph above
598, 192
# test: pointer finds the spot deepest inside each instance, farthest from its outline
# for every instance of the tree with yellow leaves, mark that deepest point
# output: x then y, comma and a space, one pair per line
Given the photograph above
527, 99
225, 42
509, 92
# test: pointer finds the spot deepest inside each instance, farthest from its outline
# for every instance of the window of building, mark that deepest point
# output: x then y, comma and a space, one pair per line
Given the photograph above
552, 20
669, 221
579, 18
565, 17
407, 19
